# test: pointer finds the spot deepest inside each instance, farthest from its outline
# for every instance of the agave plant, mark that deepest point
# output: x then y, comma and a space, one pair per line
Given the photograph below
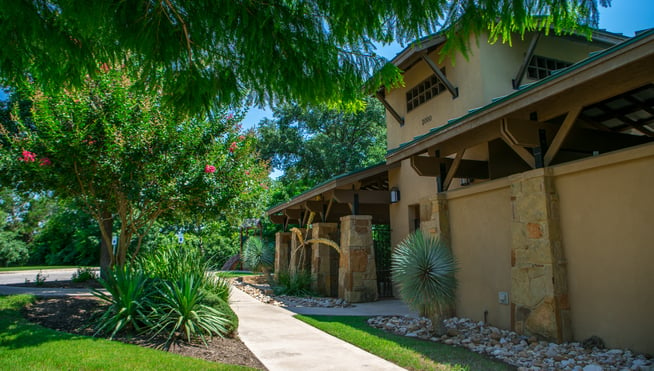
180, 311
423, 269
128, 295
257, 255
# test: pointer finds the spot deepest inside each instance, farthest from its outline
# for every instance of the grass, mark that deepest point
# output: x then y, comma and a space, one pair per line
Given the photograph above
36, 268
410, 353
27, 346
233, 274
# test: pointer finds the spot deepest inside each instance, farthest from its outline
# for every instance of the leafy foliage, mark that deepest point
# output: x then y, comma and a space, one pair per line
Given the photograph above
201, 52
129, 293
13, 251
84, 275
293, 284
314, 144
257, 255
124, 156
180, 310
423, 269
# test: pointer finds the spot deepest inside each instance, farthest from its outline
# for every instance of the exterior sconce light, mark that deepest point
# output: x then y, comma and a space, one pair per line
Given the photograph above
395, 195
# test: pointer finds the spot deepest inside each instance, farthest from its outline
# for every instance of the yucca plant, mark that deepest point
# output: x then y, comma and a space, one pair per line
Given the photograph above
423, 268
293, 284
128, 296
257, 255
180, 311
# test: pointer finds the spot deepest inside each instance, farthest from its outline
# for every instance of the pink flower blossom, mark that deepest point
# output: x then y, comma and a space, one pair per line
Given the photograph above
241, 137
264, 186
233, 147
229, 117
46, 161
247, 172
104, 67
209, 169
27, 156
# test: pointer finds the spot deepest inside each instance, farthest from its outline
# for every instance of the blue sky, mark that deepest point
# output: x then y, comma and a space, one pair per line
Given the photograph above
624, 16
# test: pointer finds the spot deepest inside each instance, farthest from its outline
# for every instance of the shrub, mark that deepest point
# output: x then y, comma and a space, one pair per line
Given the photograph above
84, 275
180, 311
296, 284
129, 301
258, 256
423, 269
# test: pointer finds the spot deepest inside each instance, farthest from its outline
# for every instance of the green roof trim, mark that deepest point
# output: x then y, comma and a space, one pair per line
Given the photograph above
523, 89
330, 180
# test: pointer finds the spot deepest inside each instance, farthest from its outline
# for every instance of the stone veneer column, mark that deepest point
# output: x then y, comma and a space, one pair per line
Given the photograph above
439, 224
539, 290
295, 261
324, 260
357, 275
282, 251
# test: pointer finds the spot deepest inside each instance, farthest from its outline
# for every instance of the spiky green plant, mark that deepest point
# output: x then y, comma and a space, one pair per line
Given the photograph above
180, 311
257, 255
128, 296
423, 268
293, 284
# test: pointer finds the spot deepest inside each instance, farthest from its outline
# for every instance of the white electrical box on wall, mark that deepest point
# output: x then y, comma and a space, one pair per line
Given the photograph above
503, 297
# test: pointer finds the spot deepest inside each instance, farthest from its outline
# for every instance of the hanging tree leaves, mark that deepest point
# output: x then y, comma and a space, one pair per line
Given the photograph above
203, 52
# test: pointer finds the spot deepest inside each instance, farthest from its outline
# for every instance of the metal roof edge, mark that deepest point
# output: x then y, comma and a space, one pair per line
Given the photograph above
522, 90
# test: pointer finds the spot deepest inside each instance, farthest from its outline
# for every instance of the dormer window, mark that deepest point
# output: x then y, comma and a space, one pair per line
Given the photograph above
424, 91
541, 67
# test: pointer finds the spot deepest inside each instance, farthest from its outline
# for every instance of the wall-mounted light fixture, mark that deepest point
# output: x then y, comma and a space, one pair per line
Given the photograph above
395, 195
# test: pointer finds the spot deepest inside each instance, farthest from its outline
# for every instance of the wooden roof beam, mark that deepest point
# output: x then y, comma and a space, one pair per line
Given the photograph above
562, 134
365, 197
525, 62
441, 76
390, 108
430, 166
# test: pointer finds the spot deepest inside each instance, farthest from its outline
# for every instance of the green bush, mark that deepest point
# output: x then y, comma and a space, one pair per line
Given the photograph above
129, 292
180, 311
12, 250
257, 255
298, 284
84, 275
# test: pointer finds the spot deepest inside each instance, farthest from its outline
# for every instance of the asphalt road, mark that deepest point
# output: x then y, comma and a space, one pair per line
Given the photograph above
50, 275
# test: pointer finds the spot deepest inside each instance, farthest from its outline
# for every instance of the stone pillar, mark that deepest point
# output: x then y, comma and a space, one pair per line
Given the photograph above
357, 275
324, 260
439, 223
282, 251
300, 259
539, 289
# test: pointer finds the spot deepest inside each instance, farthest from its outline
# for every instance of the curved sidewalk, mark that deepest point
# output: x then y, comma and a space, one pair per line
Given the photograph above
282, 342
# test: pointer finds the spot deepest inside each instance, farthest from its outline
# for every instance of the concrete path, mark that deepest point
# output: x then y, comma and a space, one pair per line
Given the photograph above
282, 342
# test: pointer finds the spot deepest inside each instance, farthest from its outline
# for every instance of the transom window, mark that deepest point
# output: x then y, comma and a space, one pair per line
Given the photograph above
541, 67
424, 91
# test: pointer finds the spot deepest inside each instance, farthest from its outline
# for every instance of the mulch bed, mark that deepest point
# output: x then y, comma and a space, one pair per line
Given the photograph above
73, 315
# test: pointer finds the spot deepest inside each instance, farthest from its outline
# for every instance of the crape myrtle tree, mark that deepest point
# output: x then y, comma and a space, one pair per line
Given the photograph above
127, 158
205, 52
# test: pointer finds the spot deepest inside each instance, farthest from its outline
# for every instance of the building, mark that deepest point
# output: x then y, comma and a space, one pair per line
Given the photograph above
535, 162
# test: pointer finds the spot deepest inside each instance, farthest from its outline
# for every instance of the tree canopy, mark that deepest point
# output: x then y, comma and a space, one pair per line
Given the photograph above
206, 52
310, 145
126, 157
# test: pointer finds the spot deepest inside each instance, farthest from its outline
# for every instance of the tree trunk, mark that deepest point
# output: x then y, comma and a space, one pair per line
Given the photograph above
106, 249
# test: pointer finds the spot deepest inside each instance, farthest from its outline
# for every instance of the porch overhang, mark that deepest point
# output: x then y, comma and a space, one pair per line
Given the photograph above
360, 192
542, 114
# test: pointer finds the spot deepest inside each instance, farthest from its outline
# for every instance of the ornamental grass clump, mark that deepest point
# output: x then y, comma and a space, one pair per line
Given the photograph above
167, 292
257, 255
423, 268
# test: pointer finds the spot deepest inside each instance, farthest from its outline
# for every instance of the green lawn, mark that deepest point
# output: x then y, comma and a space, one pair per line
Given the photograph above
410, 353
27, 346
36, 268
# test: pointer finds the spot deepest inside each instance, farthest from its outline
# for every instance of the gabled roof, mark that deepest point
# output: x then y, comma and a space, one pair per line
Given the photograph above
520, 98
407, 57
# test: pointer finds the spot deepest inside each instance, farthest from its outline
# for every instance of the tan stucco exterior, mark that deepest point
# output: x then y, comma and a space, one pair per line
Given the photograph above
607, 208
480, 220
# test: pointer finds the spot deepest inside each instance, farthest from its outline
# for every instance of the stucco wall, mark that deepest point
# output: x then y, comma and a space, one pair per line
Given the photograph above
606, 210
480, 220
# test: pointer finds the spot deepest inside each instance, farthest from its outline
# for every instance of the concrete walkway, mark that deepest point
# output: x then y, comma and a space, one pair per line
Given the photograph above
282, 342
